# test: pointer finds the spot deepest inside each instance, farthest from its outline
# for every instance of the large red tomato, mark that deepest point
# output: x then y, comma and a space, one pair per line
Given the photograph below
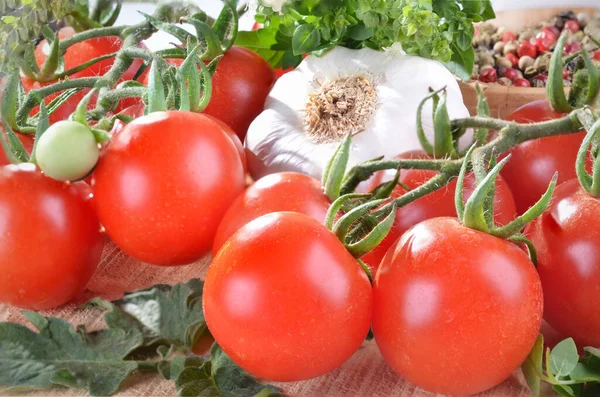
76, 55
567, 238
533, 163
455, 310
312, 299
164, 183
50, 240
241, 84
437, 204
285, 191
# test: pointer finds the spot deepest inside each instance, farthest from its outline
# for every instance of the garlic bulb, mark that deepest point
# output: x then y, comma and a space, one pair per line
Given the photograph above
371, 94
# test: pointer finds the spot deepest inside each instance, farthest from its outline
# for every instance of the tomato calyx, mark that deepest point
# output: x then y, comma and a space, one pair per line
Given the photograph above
478, 211
590, 182
586, 87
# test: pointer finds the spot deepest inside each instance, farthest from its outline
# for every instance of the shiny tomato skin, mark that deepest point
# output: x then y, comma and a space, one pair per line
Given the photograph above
76, 55
50, 239
437, 204
455, 311
284, 191
533, 163
567, 238
241, 83
137, 110
163, 184
312, 299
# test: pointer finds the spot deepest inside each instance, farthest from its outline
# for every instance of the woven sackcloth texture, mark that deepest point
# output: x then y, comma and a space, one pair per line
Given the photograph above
364, 375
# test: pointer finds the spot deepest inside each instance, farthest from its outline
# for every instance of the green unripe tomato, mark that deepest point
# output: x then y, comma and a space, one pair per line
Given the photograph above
67, 151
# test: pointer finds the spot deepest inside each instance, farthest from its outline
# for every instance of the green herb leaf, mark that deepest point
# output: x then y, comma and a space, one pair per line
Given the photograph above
564, 358
164, 314
564, 390
306, 39
221, 377
462, 63
60, 355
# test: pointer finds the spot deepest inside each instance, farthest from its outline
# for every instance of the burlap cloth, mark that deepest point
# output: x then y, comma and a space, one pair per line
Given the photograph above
365, 374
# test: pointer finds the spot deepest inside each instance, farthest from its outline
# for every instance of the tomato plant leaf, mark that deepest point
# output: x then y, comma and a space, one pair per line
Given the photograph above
564, 358
221, 377
164, 314
61, 355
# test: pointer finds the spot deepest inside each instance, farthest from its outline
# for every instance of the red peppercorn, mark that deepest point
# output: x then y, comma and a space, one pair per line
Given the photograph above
513, 59
572, 25
488, 75
510, 73
572, 48
521, 83
508, 36
545, 39
565, 74
541, 80
596, 55
552, 32
526, 48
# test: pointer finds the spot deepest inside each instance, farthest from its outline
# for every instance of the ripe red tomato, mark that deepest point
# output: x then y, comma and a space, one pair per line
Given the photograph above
313, 300
533, 163
455, 310
76, 55
137, 110
50, 240
284, 191
434, 205
26, 139
567, 238
241, 84
163, 184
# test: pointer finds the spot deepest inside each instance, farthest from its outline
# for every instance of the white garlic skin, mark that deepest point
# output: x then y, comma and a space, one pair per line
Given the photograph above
277, 141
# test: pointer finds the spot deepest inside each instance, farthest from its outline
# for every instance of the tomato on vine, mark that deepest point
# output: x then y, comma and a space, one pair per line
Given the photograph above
163, 184
76, 55
313, 299
50, 239
456, 311
534, 162
285, 191
240, 87
437, 204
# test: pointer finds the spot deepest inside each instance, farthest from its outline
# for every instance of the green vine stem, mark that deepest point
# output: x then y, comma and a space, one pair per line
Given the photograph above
510, 135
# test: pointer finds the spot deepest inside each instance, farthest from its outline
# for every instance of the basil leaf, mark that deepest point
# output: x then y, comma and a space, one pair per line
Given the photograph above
564, 358
306, 39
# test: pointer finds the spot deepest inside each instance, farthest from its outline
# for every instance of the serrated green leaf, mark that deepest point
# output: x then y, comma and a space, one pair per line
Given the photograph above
564, 358
60, 355
164, 314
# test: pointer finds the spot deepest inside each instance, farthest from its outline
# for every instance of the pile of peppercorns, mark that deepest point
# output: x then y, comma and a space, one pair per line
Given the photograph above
522, 59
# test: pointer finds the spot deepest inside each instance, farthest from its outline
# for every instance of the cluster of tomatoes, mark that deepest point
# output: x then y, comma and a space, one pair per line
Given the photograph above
452, 309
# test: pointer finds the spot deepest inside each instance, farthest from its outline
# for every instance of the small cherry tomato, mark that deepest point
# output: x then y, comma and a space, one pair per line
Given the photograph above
567, 238
508, 36
521, 83
313, 299
513, 59
437, 204
284, 191
526, 49
488, 75
455, 311
50, 240
164, 183
572, 25
67, 151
